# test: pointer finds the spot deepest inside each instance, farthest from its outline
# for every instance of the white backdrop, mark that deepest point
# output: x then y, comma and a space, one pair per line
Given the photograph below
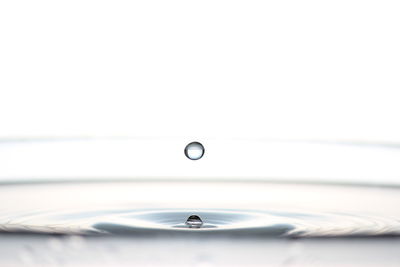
271, 69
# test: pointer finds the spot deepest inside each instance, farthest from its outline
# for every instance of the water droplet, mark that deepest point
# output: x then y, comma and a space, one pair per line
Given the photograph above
194, 151
194, 221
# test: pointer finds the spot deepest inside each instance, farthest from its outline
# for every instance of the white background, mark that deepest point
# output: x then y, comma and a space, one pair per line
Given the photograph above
272, 69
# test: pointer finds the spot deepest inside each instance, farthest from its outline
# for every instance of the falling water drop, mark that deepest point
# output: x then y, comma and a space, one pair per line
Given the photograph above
194, 221
194, 151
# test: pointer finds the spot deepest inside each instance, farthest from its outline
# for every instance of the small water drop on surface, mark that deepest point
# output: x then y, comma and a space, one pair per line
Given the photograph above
194, 151
194, 221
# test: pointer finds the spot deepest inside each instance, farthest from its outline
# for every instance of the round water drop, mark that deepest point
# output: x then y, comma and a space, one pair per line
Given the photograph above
194, 221
194, 151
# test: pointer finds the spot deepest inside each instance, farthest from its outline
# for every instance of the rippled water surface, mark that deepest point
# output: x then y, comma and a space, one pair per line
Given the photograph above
254, 209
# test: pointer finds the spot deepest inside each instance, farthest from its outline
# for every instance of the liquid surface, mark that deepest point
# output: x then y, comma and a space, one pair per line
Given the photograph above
158, 208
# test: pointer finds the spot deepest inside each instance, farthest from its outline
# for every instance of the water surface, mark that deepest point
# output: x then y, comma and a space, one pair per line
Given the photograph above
257, 209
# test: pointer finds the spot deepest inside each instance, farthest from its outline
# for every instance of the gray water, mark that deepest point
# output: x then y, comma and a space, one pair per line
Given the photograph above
225, 208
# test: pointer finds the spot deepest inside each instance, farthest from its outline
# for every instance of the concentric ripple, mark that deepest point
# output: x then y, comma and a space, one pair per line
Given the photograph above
224, 209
